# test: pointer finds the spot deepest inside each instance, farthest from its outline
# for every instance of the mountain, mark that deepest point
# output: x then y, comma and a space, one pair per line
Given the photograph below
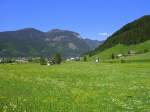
133, 33
134, 37
93, 43
33, 42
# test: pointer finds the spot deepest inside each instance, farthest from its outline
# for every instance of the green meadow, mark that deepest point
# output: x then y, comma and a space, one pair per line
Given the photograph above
123, 49
75, 87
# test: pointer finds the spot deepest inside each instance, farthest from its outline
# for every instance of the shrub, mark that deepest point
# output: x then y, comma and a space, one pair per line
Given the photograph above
30, 60
57, 58
123, 61
146, 50
7, 60
43, 61
113, 56
84, 58
90, 54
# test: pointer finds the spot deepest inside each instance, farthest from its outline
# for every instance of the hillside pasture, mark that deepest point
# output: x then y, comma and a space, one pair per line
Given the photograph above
142, 53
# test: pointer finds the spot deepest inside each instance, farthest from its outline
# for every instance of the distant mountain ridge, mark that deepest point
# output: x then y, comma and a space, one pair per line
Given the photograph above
135, 32
33, 42
94, 43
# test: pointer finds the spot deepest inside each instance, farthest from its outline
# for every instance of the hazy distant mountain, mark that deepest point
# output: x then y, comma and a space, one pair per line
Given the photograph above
93, 43
32, 42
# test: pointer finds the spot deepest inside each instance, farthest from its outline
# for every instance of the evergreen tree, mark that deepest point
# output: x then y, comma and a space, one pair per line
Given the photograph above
146, 50
90, 54
43, 61
57, 58
84, 58
113, 56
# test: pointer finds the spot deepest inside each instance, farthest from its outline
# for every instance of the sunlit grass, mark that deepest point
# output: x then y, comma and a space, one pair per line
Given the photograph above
75, 87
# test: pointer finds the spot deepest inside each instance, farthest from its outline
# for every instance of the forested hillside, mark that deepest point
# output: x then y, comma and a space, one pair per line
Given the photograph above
135, 32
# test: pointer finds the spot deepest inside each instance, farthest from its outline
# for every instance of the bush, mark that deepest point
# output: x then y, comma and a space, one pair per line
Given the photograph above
57, 58
84, 58
146, 50
30, 60
7, 60
123, 61
90, 54
113, 56
43, 61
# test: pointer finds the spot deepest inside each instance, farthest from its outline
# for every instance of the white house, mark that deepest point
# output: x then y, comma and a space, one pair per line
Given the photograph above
119, 55
97, 60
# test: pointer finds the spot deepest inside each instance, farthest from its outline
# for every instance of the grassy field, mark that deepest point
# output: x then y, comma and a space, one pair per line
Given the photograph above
75, 87
123, 49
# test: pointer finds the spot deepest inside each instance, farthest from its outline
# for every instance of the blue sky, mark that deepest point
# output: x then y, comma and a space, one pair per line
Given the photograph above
95, 19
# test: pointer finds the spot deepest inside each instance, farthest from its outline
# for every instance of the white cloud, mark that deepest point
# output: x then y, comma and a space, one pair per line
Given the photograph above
103, 34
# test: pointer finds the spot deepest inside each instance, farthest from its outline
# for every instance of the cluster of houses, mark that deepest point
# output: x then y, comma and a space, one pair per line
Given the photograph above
14, 60
97, 59
119, 55
21, 60
50, 62
27, 59
130, 53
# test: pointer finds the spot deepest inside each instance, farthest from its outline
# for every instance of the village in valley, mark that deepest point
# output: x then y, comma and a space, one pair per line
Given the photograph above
52, 61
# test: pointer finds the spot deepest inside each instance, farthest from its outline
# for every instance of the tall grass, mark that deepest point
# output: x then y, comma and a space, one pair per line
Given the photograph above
75, 87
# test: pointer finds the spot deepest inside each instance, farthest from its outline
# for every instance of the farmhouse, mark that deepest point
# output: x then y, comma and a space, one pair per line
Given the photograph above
73, 59
119, 55
97, 60
68, 60
131, 52
77, 58
21, 60
48, 64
